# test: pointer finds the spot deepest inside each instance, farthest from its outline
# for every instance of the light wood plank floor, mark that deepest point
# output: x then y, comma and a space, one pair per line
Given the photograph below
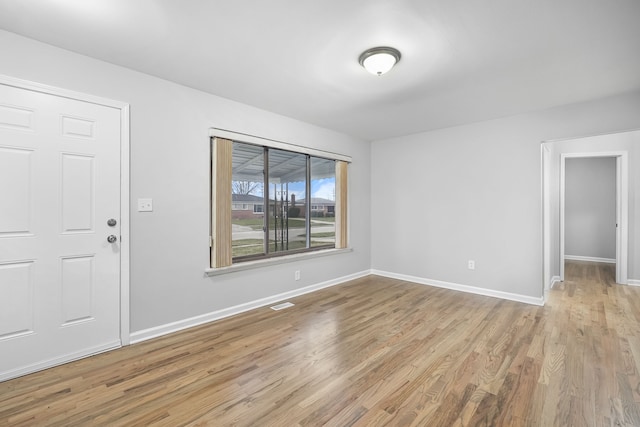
371, 352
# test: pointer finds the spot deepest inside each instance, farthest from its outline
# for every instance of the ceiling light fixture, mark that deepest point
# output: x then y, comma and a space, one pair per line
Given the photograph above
379, 60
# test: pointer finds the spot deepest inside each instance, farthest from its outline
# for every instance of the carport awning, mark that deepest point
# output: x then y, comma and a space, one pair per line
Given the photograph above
284, 166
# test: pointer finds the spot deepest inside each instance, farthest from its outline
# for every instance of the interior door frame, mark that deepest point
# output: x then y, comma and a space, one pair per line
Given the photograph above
545, 164
622, 208
125, 331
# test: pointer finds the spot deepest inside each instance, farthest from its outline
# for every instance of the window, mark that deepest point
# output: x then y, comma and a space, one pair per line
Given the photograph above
323, 193
270, 201
247, 183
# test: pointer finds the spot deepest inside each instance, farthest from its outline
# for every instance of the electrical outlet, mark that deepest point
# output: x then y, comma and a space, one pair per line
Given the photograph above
297, 275
145, 205
471, 264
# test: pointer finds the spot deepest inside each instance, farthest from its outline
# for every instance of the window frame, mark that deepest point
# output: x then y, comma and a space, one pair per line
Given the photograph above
341, 162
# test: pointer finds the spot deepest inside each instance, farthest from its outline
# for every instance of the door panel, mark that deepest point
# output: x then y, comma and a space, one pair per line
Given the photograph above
16, 306
78, 283
77, 193
15, 191
59, 184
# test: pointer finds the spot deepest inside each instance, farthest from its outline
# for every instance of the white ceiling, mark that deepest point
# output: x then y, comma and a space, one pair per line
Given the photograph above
462, 60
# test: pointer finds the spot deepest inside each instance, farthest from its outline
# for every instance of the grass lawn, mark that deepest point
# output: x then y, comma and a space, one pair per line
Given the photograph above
320, 235
257, 223
327, 219
327, 234
256, 246
247, 242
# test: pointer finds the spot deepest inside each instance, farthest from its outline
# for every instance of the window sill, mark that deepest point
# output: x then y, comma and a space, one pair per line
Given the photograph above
249, 265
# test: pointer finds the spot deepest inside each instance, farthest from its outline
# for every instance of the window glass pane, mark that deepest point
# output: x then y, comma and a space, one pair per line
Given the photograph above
247, 198
287, 183
323, 202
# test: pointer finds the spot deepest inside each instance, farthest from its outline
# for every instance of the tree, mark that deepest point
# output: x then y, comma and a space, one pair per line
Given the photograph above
245, 187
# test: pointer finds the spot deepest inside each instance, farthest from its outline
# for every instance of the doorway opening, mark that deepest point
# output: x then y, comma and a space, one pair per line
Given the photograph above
621, 203
554, 158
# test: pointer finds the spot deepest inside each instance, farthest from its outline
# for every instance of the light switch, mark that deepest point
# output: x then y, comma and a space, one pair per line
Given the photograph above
145, 205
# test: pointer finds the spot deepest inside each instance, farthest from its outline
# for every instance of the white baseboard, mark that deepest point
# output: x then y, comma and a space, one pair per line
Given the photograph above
463, 288
50, 363
589, 258
553, 281
630, 282
179, 325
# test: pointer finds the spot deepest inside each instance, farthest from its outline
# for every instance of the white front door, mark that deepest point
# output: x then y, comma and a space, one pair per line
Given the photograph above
59, 187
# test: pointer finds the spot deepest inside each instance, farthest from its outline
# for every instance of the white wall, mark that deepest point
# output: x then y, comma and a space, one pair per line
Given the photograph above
441, 198
590, 207
170, 163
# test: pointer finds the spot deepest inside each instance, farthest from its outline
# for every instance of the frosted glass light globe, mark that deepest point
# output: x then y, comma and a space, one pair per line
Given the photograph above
379, 63
379, 60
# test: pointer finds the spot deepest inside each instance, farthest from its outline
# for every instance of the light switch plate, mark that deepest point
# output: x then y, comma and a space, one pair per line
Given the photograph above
145, 205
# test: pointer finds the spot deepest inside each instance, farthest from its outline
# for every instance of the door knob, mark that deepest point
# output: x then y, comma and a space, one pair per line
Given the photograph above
112, 238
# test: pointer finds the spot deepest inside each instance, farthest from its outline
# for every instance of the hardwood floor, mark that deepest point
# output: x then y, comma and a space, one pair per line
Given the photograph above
375, 351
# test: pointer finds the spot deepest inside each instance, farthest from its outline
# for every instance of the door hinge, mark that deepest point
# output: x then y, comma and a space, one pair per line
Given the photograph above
210, 241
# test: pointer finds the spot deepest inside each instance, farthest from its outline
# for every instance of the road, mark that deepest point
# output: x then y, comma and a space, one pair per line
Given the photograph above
241, 232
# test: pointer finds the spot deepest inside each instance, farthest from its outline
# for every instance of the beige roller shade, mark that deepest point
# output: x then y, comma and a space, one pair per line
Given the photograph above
341, 205
221, 166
